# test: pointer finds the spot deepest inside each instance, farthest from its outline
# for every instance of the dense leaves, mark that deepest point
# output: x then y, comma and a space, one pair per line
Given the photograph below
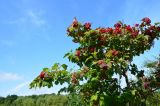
58, 100
35, 100
103, 53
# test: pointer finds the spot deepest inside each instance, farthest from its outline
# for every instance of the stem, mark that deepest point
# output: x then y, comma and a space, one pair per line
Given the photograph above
126, 78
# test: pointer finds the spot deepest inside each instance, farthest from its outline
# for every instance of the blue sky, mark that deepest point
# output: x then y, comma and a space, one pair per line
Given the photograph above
33, 34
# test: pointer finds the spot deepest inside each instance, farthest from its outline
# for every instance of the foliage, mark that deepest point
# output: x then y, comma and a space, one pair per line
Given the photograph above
153, 100
35, 100
59, 100
102, 54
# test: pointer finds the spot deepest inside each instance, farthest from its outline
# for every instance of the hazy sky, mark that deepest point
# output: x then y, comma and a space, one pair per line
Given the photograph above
33, 34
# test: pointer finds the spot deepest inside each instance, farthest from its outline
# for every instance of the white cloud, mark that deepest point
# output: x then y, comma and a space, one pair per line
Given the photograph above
36, 18
7, 76
29, 24
30, 17
38, 91
22, 89
18, 87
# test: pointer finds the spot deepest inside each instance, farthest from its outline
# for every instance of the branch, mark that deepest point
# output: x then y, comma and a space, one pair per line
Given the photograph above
126, 79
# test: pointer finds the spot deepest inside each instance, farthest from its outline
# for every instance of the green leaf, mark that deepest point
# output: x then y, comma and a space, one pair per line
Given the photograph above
55, 66
45, 83
94, 79
45, 69
89, 58
157, 23
107, 100
95, 54
94, 97
102, 101
56, 82
66, 55
64, 66
109, 53
133, 92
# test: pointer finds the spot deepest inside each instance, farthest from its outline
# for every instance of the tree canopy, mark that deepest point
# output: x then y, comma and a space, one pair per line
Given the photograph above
103, 53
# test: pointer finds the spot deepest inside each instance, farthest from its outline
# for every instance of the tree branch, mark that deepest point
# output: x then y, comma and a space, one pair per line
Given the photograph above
126, 79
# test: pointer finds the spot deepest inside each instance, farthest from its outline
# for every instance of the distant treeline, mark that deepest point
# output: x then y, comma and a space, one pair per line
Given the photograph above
57, 100
34, 100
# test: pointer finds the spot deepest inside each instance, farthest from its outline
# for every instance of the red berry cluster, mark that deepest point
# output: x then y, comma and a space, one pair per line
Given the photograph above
114, 52
146, 20
74, 78
87, 26
42, 75
78, 53
102, 64
75, 23
121, 39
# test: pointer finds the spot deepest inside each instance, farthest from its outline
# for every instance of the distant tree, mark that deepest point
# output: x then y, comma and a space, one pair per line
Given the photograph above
41, 101
18, 101
154, 81
10, 99
154, 99
35, 100
29, 102
2, 100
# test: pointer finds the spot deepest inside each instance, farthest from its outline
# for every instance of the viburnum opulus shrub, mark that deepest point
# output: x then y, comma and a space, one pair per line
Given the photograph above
103, 53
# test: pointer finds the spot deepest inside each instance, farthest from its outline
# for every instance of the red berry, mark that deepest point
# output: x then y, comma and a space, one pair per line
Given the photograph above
100, 61
128, 28
146, 20
117, 31
109, 30
102, 30
152, 27
102, 38
78, 53
42, 75
145, 85
148, 32
134, 34
92, 49
75, 23
102, 64
117, 25
87, 25
114, 52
